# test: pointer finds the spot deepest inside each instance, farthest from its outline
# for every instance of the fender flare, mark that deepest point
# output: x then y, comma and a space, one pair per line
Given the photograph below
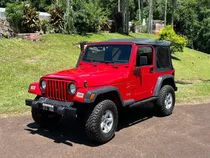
99, 91
160, 82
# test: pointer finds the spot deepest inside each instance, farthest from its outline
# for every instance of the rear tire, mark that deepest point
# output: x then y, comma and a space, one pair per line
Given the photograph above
44, 117
166, 101
102, 122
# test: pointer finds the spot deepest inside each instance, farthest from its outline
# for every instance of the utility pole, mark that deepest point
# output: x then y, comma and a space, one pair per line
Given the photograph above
166, 1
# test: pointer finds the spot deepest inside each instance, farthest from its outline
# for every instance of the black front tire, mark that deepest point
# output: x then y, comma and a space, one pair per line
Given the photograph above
44, 117
93, 124
166, 101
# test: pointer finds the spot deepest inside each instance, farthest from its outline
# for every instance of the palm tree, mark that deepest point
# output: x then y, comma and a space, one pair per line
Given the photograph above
119, 7
172, 14
150, 16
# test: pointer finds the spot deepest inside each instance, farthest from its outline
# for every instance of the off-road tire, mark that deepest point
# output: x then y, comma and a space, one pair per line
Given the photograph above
44, 117
92, 125
160, 103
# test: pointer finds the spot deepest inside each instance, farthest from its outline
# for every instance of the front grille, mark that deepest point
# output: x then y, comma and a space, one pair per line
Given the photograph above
57, 90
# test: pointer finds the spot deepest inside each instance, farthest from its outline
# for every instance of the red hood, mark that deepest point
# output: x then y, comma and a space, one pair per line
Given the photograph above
97, 75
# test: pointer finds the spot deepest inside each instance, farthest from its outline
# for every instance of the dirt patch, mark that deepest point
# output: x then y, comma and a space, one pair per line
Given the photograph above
32, 59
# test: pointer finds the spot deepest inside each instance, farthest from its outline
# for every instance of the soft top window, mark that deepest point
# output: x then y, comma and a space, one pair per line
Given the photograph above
163, 58
108, 53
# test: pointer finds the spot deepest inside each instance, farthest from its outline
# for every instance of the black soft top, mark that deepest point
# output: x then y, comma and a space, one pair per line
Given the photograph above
142, 41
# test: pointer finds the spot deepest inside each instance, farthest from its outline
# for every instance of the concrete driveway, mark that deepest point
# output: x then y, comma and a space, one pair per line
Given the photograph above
186, 133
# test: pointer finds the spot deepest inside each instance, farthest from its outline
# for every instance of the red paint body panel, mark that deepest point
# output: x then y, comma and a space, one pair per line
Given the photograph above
99, 75
34, 88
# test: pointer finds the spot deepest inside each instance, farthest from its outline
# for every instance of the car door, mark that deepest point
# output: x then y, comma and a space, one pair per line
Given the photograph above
144, 78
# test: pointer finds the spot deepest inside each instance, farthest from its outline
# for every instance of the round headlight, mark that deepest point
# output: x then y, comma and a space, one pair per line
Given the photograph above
72, 88
43, 84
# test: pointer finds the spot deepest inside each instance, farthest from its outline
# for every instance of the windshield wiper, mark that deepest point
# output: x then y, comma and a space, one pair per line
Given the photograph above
112, 62
90, 60
107, 62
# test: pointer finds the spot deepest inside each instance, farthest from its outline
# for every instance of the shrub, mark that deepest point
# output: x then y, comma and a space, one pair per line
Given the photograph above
22, 18
68, 26
56, 19
177, 42
14, 13
44, 26
30, 20
89, 18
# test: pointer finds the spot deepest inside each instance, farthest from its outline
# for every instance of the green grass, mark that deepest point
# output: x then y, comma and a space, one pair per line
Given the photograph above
22, 62
193, 76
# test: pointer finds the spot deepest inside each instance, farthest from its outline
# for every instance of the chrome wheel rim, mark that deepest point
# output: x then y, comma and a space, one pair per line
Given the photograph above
107, 121
168, 101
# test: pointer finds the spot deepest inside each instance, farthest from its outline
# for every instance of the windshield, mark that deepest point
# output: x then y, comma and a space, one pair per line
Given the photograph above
108, 53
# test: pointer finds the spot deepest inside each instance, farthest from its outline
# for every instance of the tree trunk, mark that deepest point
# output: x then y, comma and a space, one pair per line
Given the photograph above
150, 16
165, 18
67, 4
119, 7
172, 14
125, 15
139, 6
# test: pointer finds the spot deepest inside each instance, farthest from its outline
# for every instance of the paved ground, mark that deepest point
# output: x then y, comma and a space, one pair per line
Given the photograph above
186, 133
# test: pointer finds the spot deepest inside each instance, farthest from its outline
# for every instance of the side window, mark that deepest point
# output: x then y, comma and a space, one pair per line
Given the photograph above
144, 56
162, 60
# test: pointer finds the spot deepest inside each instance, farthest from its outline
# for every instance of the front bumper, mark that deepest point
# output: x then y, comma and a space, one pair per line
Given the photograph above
59, 107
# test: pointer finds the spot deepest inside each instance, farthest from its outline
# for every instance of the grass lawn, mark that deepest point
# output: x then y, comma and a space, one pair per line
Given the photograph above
22, 62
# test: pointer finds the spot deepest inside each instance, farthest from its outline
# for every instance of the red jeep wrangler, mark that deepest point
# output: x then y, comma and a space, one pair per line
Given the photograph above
109, 75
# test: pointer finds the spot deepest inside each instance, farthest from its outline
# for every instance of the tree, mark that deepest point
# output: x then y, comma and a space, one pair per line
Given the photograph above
119, 5
172, 14
125, 15
150, 19
165, 17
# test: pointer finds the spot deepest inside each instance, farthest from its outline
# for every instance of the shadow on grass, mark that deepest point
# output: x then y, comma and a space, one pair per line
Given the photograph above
205, 80
191, 81
184, 82
175, 58
70, 130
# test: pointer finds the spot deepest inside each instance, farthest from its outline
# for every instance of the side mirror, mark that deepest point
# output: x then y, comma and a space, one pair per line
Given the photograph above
143, 60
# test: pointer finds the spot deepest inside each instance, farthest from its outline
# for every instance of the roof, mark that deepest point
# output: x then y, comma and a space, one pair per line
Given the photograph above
42, 15
142, 41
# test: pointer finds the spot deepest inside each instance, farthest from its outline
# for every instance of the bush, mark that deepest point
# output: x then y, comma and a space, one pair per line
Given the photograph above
30, 20
14, 13
56, 19
22, 18
68, 26
89, 18
177, 42
44, 26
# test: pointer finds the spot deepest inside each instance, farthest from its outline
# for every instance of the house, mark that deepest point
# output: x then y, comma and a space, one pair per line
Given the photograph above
42, 15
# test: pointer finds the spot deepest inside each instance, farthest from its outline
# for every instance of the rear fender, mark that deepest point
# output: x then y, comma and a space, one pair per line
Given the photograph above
160, 83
